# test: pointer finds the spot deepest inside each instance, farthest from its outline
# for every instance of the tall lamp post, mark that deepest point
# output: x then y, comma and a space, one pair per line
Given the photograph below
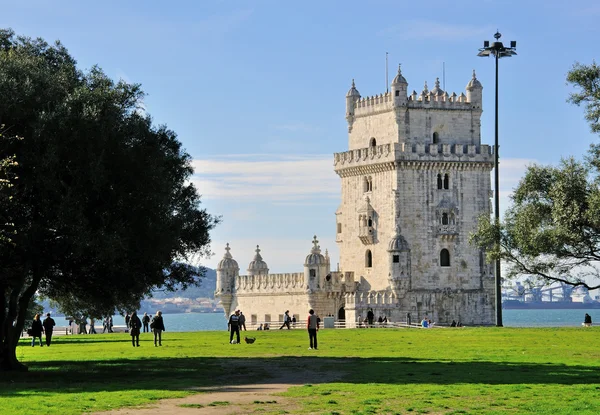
498, 50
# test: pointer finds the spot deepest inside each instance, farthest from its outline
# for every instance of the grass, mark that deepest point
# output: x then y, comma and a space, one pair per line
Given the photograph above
377, 371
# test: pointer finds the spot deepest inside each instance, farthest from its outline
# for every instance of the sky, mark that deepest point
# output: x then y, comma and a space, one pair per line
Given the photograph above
256, 90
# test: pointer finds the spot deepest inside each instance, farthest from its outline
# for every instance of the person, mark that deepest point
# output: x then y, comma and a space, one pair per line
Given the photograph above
312, 324
127, 318
266, 326
294, 321
83, 325
425, 323
146, 322
158, 326
380, 320
385, 320
459, 324
233, 325
260, 327
36, 330
370, 316
48, 325
242, 321
408, 322
587, 320
92, 326
286, 320
135, 326
110, 324
453, 324
105, 325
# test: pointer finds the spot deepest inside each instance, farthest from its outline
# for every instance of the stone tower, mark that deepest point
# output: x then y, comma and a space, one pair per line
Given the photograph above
415, 180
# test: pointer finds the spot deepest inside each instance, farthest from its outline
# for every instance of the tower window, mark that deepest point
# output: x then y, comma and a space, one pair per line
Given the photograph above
368, 259
373, 142
397, 93
365, 184
396, 259
339, 228
444, 258
439, 181
370, 222
313, 273
436, 138
446, 181
444, 218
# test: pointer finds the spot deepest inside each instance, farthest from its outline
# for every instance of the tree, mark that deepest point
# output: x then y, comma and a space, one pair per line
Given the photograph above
552, 230
100, 204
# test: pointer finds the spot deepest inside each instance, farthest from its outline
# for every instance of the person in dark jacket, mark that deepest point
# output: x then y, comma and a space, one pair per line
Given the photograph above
36, 330
48, 328
158, 326
146, 322
233, 325
135, 326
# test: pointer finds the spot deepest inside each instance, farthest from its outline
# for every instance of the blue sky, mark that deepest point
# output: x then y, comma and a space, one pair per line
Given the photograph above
255, 90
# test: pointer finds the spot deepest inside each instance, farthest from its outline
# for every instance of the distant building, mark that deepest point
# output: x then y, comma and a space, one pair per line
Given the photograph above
414, 182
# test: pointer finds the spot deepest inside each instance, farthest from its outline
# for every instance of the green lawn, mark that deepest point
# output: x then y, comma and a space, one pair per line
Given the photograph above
374, 371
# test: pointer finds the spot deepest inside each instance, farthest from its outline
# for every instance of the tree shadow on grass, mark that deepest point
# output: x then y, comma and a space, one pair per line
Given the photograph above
191, 373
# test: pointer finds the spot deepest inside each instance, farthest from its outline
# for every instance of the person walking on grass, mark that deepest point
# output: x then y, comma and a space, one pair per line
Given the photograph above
286, 320
146, 322
233, 325
312, 324
48, 328
135, 326
158, 326
92, 326
36, 330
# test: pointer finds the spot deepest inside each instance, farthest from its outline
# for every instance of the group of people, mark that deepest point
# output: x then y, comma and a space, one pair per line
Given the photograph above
39, 327
312, 324
135, 325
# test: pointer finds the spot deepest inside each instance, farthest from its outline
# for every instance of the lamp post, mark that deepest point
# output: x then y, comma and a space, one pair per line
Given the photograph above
498, 50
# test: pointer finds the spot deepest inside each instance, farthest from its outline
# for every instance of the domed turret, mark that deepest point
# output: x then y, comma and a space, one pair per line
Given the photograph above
399, 89
474, 91
353, 92
257, 266
399, 260
228, 262
437, 91
315, 257
227, 271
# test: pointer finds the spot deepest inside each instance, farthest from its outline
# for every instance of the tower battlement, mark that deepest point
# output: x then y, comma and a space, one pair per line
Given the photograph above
399, 152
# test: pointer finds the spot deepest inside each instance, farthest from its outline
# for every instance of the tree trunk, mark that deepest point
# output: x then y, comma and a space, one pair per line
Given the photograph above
8, 356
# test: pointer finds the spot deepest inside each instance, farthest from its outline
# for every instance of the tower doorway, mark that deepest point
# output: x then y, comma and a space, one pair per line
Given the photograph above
342, 313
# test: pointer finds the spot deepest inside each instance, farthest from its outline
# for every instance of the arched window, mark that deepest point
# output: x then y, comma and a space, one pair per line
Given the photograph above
368, 259
439, 181
370, 222
436, 138
397, 93
444, 218
373, 142
370, 184
365, 185
446, 181
313, 273
444, 258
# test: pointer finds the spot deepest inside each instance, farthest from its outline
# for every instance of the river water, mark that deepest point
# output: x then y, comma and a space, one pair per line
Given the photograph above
511, 318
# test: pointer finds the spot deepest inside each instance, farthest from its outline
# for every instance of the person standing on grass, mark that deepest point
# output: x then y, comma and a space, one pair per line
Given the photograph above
312, 324
92, 326
242, 321
127, 318
158, 326
48, 328
146, 322
36, 330
233, 325
370, 316
135, 326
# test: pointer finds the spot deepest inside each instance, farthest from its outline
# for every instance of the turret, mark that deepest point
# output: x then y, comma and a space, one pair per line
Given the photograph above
399, 89
399, 262
474, 91
316, 267
227, 271
351, 98
257, 266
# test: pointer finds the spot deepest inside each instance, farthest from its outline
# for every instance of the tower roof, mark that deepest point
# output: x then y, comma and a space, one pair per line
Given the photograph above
228, 262
257, 264
474, 82
437, 90
399, 79
353, 92
315, 257
398, 243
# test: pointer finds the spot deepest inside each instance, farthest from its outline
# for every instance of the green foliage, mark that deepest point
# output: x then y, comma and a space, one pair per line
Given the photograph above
587, 79
381, 371
100, 202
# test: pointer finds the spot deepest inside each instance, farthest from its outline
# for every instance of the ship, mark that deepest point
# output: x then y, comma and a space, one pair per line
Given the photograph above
553, 297
549, 305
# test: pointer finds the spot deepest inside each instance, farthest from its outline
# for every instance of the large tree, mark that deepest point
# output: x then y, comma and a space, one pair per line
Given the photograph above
551, 232
96, 205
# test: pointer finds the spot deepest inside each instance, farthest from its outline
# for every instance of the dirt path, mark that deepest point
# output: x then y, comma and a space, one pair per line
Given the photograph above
237, 399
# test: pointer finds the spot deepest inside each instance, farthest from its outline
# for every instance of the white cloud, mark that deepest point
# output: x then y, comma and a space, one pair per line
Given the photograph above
429, 29
282, 178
